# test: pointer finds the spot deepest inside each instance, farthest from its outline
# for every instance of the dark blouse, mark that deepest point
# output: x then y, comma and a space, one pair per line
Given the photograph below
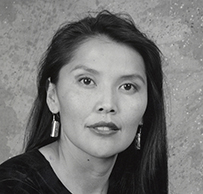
29, 173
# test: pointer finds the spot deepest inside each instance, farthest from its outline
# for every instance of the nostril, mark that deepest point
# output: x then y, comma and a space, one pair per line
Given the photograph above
101, 109
106, 110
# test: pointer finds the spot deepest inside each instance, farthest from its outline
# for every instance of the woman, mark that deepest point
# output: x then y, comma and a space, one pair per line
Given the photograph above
100, 97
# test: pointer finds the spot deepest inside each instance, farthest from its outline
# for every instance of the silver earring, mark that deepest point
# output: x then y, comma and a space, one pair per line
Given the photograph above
54, 128
138, 138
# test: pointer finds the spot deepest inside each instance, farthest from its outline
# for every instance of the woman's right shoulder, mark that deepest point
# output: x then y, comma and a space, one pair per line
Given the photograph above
22, 162
21, 172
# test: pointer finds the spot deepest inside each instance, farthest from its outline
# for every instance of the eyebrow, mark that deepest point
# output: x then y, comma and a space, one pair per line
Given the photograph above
85, 68
133, 76
124, 77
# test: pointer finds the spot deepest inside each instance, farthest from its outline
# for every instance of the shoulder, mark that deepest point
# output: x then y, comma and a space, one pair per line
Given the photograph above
21, 172
23, 164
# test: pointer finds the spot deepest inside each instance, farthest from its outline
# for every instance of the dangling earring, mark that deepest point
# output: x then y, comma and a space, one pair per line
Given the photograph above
138, 138
54, 128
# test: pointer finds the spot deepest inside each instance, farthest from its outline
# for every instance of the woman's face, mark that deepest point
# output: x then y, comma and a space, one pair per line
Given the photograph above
101, 96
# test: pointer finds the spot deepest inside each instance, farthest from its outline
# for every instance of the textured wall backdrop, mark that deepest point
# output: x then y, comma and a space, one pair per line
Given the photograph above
26, 27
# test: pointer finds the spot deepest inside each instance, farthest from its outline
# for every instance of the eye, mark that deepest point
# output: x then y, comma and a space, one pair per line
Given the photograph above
86, 81
128, 87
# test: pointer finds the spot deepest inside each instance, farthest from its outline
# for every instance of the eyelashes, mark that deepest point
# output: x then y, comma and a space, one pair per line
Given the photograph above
86, 81
127, 87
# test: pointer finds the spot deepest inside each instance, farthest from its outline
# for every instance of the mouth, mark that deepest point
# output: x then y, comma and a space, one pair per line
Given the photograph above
104, 128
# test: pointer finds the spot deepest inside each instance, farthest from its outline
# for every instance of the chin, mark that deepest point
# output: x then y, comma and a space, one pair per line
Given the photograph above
107, 154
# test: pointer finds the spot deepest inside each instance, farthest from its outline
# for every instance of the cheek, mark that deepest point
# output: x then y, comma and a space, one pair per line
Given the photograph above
74, 105
134, 110
132, 118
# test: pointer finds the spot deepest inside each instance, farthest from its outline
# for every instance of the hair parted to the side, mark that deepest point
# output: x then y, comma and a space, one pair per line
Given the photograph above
142, 171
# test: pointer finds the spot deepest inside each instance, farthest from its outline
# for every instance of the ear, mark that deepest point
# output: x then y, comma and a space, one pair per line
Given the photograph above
52, 98
141, 122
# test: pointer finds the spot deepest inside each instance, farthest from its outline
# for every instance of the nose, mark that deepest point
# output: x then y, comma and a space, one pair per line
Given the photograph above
106, 110
107, 103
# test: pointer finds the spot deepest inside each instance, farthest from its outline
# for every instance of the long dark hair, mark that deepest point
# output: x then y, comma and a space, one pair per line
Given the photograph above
142, 171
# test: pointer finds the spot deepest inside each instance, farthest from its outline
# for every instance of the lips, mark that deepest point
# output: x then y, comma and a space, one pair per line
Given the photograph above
104, 127
109, 125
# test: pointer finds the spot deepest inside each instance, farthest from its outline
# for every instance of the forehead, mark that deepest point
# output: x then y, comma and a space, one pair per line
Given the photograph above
107, 56
101, 45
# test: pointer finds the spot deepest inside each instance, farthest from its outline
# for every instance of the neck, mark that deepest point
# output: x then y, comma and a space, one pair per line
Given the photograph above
80, 172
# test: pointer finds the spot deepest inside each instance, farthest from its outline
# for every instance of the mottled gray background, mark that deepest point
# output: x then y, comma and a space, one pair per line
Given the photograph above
26, 27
